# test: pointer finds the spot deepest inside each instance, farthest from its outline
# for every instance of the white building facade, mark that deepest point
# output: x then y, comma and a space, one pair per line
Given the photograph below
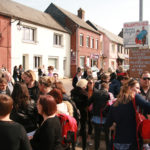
34, 46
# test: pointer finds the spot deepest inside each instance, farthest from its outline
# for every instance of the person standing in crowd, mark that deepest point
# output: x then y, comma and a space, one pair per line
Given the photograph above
61, 106
3, 68
24, 108
145, 92
15, 74
40, 73
50, 71
99, 99
145, 85
48, 135
68, 101
55, 76
89, 73
3, 87
85, 72
21, 71
90, 89
32, 84
122, 113
12, 135
100, 73
77, 77
60, 86
80, 96
45, 85
116, 84
105, 78
8, 77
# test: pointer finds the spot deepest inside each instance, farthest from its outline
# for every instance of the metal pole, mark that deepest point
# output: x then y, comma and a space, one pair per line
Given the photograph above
141, 10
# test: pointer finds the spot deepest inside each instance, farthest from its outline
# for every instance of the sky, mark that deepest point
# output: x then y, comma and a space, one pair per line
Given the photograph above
109, 14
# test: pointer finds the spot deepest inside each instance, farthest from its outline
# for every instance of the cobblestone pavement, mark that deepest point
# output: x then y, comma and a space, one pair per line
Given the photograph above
68, 86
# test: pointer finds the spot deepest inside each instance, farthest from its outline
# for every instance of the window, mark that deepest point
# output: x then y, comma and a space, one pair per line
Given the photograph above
87, 41
92, 42
118, 48
81, 39
24, 61
29, 34
113, 48
53, 62
58, 39
82, 58
96, 44
127, 51
88, 61
37, 61
121, 50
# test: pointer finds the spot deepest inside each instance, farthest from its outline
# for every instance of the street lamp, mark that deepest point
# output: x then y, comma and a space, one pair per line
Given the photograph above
19, 25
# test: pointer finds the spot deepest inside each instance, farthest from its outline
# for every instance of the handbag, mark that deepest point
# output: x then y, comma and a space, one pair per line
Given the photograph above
142, 125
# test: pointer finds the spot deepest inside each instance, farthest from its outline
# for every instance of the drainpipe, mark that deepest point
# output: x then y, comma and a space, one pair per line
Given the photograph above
77, 48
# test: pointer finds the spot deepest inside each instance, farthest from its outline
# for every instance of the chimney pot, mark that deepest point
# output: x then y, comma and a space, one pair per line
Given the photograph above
81, 13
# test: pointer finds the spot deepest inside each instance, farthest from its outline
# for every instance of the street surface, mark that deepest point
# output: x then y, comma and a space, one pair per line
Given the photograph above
68, 86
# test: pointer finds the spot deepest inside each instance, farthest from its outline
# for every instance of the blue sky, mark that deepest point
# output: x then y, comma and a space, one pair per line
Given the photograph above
109, 14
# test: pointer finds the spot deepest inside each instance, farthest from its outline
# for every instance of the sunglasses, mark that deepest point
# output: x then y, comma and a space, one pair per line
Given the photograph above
146, 78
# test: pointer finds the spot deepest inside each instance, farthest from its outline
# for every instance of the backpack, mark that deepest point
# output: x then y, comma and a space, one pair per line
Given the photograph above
69, 129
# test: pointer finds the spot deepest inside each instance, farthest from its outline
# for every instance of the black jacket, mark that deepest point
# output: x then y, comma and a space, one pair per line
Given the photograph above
34, 92
26, 116
80, 97
48, 135
99, 100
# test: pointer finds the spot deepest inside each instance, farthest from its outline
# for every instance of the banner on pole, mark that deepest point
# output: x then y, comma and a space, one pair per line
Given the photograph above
136, 34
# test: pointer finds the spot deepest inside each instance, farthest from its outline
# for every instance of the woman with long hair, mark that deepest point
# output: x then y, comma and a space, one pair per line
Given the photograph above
48, 135
32, 84
122, 114
24, 109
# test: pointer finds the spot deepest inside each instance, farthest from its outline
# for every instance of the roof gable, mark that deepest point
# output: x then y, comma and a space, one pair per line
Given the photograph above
76, 19
18, 11
110, 35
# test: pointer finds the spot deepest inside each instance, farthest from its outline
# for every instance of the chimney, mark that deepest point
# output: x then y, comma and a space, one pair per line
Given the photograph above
81, 13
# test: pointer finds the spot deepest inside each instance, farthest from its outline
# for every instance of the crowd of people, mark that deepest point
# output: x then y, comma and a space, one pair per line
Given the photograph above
29, 108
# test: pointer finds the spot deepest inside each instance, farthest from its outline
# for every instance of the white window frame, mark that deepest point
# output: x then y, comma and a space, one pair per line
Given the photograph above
92, 42
56, 63
81, 39
58, 39
82, 65
87, 41
29, 34
37, 61
113, 47
96, 44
